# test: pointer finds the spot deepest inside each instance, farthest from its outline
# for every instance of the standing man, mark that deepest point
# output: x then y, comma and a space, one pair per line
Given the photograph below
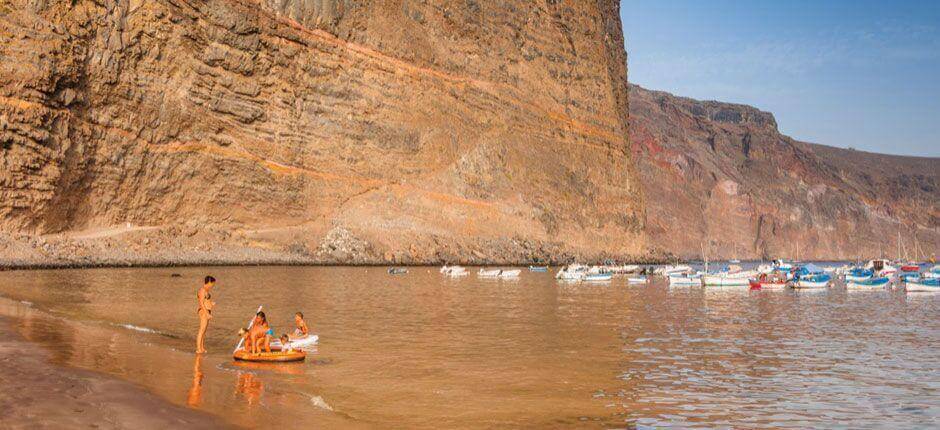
205, 313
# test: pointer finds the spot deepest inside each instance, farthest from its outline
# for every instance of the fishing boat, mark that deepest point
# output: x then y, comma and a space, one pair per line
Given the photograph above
489, 273
598, 277
454, 271
667, 270
933, 273
572, 272
910, 267
538, 268
637, 279
685, 280
774, 281
397, 270
881, 267
868, 284
813, 281
733, 277
923, 286
499, 273
858, 275
909, 277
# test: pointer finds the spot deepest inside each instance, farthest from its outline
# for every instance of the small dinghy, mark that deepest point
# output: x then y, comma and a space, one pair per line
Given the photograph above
637, 279
538, 268
870, 284
397, 270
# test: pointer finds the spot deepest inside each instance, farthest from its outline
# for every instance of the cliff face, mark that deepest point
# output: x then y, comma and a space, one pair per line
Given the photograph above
721, 174
331, 131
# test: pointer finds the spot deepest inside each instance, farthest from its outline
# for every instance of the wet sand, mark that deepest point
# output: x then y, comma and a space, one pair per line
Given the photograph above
39, 394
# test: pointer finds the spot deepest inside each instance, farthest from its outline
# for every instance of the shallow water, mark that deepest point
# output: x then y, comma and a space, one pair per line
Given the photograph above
419, 350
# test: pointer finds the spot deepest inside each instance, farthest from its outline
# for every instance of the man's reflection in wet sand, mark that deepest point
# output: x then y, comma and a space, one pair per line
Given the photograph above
249, 386
194, 399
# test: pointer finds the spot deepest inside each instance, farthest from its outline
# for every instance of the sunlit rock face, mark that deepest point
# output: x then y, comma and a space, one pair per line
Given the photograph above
332, 131
721, 178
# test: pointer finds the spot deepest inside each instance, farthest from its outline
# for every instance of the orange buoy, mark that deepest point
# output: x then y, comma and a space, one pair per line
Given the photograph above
270, 357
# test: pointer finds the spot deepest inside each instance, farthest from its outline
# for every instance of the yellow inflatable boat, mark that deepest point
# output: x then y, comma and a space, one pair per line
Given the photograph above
270, 357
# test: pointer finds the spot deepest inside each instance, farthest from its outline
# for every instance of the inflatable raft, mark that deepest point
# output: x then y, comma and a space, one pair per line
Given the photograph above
270, 357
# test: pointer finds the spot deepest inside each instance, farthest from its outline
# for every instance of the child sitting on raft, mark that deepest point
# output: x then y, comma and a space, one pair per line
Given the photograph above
301, 331
285, 343
258, 336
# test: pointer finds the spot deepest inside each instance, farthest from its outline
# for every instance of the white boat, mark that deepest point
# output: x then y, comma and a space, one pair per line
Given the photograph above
685, 280
574, 272
923, 286
597, 277
933, 273
868, 285
504, 274
454, 271
637, 279
881, 267
489, 273
667, 270
732, 278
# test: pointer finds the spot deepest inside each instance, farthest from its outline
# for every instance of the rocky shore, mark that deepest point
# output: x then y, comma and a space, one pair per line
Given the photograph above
42, 395
148, 247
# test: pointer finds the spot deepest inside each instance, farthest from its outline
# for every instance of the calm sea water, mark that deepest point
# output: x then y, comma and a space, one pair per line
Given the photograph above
421, 351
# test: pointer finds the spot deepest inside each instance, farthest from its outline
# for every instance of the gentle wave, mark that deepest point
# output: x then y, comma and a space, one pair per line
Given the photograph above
320, 403
146, 330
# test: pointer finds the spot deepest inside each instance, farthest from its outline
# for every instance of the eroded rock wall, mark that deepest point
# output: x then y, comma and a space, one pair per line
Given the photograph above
409, 131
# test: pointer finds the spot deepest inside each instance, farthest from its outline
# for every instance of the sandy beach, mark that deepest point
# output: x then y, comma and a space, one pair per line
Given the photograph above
39, 394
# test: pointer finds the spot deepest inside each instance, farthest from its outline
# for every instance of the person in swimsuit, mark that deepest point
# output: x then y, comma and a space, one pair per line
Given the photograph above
205, 312
301, 331
260, 334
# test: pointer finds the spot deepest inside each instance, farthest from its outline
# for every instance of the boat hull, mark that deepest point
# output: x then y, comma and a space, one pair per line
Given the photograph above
872, 284
923, 286
724, 281
809, 285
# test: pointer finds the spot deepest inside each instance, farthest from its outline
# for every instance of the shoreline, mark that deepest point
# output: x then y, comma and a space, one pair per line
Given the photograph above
56, 396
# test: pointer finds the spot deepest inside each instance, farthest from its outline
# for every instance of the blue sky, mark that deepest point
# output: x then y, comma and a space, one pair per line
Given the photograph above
862, 74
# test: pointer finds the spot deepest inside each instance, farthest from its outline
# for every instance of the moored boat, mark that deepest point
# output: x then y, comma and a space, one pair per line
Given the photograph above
923, 286
813, 281
499, 273
774, 281
454, 271
574, 272
598, 277
858, 275
538, 268
868, 284
397, 270
637, 279
734, 277
685, 280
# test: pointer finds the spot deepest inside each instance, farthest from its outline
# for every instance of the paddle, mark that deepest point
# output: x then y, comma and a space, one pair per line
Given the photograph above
250, 323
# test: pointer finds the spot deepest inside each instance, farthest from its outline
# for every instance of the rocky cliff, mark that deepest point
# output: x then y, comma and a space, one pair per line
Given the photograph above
721, 177
314, 131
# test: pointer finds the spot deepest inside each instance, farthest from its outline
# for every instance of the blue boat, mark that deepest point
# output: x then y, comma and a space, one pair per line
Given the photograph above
858, 274
868, 284
538, 268
923, 285
814, 280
